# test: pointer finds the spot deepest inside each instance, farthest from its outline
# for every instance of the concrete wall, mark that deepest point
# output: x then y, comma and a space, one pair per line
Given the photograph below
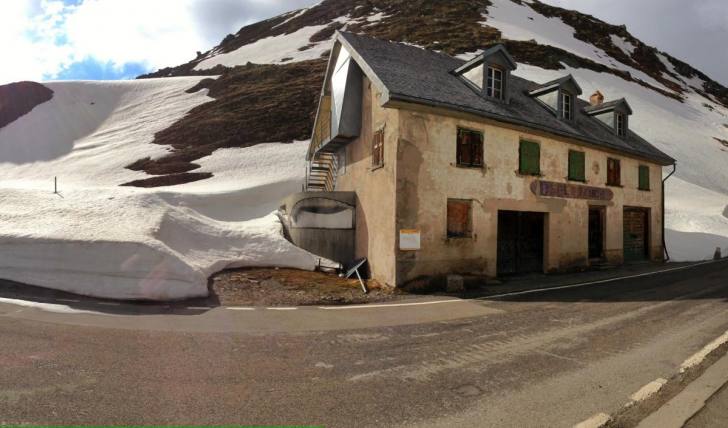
427, 176
375, 231
330, 243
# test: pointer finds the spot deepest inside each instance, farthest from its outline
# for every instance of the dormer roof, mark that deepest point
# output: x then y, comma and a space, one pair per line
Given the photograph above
496, 50
567, 81
620, 105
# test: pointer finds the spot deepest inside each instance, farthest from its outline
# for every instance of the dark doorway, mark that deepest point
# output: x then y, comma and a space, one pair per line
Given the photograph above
520, 242
596, 232
636, 228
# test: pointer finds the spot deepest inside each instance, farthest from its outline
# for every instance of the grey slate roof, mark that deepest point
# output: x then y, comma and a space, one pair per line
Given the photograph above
416, 75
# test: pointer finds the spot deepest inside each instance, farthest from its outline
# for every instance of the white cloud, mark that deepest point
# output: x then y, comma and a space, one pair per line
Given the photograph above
41, 38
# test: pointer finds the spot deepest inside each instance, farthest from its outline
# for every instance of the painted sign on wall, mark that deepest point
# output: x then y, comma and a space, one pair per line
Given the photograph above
573, 191
409, 239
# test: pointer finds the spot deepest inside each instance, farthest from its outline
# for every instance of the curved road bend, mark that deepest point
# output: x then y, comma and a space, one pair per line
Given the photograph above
544, 359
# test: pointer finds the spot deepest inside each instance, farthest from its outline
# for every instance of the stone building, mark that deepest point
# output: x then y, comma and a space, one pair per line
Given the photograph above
463, 167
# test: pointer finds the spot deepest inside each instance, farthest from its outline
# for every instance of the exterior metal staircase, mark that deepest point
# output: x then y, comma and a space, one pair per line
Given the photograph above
322, 172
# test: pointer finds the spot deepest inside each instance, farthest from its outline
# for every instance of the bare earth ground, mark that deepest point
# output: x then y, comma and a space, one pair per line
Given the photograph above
272, 287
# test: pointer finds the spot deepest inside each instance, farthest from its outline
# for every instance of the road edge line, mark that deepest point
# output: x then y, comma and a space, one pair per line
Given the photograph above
598, 420
700, 356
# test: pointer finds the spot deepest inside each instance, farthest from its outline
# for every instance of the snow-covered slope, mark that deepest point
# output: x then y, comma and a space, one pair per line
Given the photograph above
98, 238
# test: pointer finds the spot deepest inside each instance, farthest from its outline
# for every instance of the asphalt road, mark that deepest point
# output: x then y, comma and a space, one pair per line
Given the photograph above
545, 359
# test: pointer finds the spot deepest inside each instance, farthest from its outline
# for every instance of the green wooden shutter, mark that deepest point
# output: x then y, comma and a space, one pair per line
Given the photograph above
576, 166
530, 158
644, 177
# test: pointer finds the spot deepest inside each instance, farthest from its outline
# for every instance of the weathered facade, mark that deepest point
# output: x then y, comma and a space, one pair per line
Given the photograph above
502, 176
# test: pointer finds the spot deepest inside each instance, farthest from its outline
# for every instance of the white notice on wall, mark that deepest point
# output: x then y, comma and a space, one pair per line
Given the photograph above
409, 239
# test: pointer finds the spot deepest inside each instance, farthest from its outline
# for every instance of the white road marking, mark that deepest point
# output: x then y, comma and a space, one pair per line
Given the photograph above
392, 305
699, 356
596, 421
239, 308
48, 307
647, 391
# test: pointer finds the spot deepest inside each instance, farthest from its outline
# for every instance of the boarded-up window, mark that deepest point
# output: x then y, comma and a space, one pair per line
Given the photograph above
614, 173
644, 177
576, 166
529, 158
469, 148
459, 218
378, 149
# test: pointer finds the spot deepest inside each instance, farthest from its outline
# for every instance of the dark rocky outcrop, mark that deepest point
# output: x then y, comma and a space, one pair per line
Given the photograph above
18, 99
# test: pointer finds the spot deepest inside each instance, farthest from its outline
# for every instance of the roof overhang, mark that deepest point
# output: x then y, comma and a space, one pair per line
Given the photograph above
555, 84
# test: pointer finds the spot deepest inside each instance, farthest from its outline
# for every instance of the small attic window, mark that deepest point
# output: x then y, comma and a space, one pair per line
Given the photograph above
494, 86
567, 105
621, 124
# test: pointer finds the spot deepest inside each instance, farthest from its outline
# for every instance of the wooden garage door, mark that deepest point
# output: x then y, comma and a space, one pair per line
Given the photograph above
635, 234
520, 242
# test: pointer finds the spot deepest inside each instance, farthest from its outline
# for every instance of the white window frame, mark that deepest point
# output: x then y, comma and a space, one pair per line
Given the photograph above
567, 113
491, 80
621, 124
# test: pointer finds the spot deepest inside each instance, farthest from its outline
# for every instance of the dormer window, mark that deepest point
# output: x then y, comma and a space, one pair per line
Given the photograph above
567, 105
614, 114
621, 125
494, 85
558, 96
489, 73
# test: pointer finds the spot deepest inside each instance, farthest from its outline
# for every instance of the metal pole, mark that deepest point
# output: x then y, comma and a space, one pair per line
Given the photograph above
664, 245
55, 185
363, 287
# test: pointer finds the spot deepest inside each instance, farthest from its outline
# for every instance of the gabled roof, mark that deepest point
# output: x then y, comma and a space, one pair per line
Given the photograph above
549, 86
608, 106
499, 48
408, 74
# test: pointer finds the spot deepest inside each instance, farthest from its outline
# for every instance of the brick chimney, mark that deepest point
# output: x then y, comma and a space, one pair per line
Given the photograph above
596, 98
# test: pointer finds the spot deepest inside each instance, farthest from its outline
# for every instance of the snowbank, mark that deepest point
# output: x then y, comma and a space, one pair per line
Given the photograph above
97, 238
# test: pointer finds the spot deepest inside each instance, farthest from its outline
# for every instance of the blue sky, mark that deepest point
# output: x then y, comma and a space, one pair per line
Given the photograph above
117, 39
120, 39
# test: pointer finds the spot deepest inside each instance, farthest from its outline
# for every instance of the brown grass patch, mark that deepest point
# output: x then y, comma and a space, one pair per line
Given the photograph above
253, 104
169, 180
